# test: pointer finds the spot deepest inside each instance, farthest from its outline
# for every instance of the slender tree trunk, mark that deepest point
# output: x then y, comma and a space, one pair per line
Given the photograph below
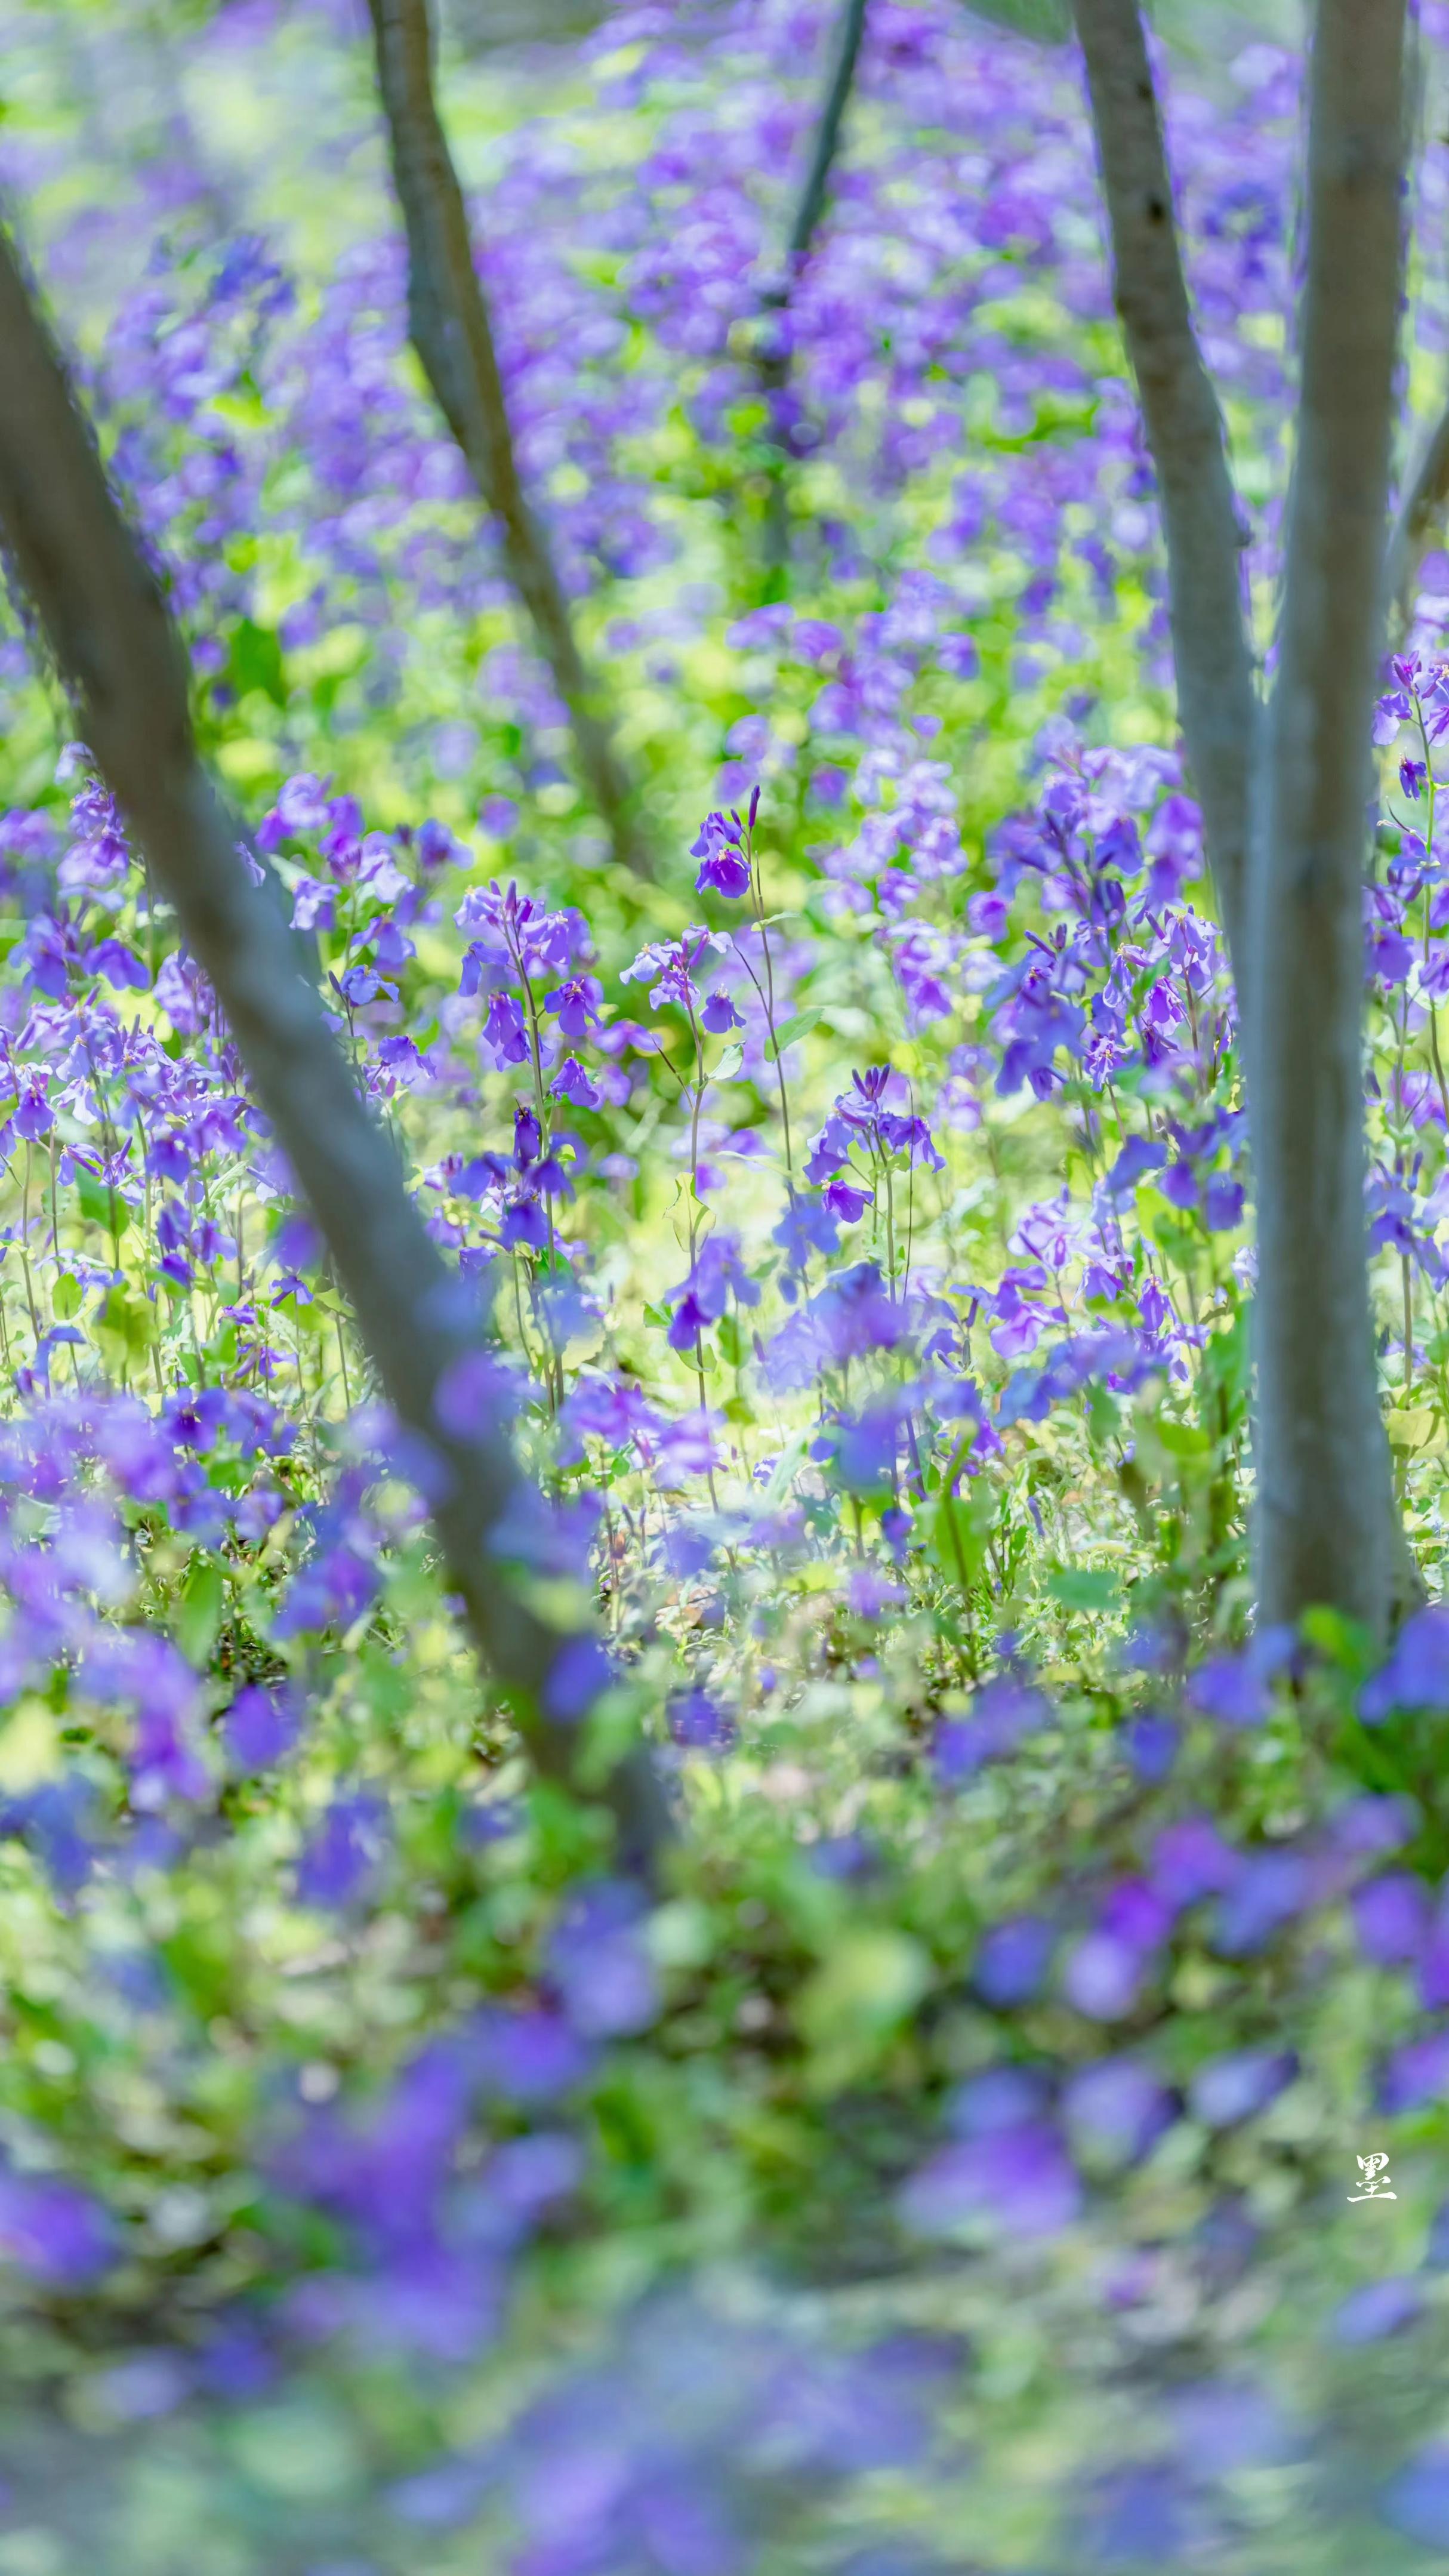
777, 349
1325, 1515
453, 335
1285, 794
72, 552
1217, 697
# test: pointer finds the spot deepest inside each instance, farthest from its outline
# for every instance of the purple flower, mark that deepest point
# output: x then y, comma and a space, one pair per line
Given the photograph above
505, 1031
718, 1014
867, 1444
573, 1084
345, 1855
1416, 2501
1119, 2106
1238, 1688
1379, 2308
1269, 1889
699, 1722
1012, 1960
530, 2055
53, 2231
1152, 1744
1433, 1958
599, 1963
1018, 2177
575, 1005
725, 869
1391, 1917
1417, 2072
806, 1228
847, 1199
717, 1275
1417, 1672
1005, 1712
672, 964
1103, 1976
1236, 2087
1190, 1860
260, 1728
580, 1673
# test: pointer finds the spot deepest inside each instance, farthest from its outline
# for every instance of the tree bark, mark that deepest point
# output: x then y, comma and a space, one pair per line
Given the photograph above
1325, 1514
71, 550
452, 332
775, 361
1217, 696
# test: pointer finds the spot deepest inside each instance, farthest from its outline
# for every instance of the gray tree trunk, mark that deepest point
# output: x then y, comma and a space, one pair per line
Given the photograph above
1285, 794
1217, 697
1325, 1513
71, 551
775, 364
453, 335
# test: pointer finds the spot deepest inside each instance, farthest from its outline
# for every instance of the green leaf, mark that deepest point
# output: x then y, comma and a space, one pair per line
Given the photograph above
66, 1299
255, 662
1084, 1587
729, 1063
961, 1526
100, 1205
1183, 1439
199, 1616
127, 1324
1413, 1427
853, 2006
798, 1027
1345, 1642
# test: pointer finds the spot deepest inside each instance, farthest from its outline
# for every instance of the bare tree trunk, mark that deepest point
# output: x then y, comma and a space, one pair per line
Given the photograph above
453, 335
1285, 795
70, 549
1420, 512
1325, 1508
775, 362
1216, 692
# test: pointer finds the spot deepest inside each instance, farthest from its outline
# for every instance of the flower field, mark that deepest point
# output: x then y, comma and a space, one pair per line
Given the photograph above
946, 2155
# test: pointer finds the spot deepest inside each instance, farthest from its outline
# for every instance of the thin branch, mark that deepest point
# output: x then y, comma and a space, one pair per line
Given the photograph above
1211, 646
1421, 512
453, 334
827, 136
776, 354
70, 548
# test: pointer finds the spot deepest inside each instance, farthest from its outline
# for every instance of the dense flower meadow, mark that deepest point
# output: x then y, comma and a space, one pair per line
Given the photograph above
963, 2161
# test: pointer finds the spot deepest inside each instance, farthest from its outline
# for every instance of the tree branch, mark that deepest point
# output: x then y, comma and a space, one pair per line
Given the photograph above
453, 335
827, 136
71, 550
776, 349
1216, 691
1422, 508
